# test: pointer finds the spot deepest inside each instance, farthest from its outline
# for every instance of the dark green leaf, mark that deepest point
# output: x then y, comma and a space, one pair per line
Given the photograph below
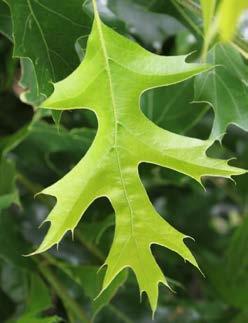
171, 107
46, 33
225, 89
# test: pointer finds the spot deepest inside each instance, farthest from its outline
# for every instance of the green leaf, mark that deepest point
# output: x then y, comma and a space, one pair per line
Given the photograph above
229, 275
12, 252
110, 80
39, 299
8, 191
29, 82
31, 319
90, 279
14, 282
225, 89
92, 232
10, 142
5, 20
171, 107
46, 141
37, 35
49, 140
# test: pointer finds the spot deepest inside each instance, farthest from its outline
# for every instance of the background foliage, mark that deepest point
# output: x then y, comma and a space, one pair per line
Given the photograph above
35, 151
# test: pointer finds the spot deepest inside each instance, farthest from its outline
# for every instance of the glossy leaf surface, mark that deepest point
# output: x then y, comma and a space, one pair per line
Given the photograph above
110, 80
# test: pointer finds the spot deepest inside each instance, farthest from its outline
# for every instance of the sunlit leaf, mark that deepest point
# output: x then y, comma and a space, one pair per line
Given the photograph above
110, 80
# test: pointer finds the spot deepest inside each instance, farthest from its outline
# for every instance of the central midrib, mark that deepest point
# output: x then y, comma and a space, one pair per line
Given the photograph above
106, 58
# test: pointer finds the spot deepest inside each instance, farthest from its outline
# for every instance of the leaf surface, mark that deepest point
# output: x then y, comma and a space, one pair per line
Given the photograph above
109, 81
8, 191
225, 88
41, 28
229, 274
39, 299
12, 252
171, 107
5, 20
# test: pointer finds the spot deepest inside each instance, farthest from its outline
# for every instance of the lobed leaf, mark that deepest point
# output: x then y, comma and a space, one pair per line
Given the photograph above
109, 82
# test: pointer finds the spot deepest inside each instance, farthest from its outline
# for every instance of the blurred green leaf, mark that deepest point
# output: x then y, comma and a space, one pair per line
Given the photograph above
91, 279
92, 232
39, 299
8, 191
225, 89
160, 27
229, 276
12, 244
14, 282
5, 20
48, 144
171, 107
